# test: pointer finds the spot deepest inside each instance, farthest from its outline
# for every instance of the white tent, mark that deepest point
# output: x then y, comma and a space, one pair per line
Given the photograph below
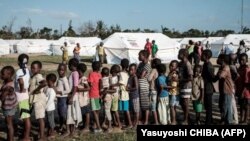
184, 42
32, 46
87, 44
12, 44
177, 39
127, 45
4, 47
231, 38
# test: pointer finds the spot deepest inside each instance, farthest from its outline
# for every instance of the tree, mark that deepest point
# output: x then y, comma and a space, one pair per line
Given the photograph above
70, 32
101, 29
246, 30
25, 32
45, 33
87, 29
55, 34
222, 33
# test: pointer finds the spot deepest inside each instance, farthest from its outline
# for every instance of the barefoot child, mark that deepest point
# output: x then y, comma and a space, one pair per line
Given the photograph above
50, 103
133, 89
197, 93
62, 91
37, 96
8, 99
83, 90
173, 91
21, 89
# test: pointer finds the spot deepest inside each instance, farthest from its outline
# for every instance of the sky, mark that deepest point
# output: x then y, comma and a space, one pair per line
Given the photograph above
180, 15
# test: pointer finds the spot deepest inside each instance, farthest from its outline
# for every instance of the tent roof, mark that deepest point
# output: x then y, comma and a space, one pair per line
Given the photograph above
186, 40
212, 39
3, 43
83, 41
138, 40
235, 39
32, 42
12, 42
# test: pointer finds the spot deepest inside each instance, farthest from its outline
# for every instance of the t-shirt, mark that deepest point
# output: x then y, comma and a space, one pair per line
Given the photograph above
244, 78
190, 49
185, 70
94, 80
100, 50
50, 99
123, 81
135, 93
151, 79
143, 67
73, 80
105, 82
226, 85
83, 96
229, 49
198, 84
148, 47
26, 79
208, 77
77, 50
154, 49
63, 86
10, 100
34, 83
114, 80
162, 81
173, 81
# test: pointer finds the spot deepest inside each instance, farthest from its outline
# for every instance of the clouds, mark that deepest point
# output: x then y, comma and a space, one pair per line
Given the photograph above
50, 13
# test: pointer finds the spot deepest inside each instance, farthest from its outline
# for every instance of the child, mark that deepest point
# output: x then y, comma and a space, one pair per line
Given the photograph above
37, 96
83, 89
243, 88
94, 80
143, 72
133, 89
50, 105
107, 98
62, 91
186, 77
124, 96
8, 99
163, 95
152, 89
226, 88
208, 78
74, 115
197, 92
115, 69
21, 90
173, 91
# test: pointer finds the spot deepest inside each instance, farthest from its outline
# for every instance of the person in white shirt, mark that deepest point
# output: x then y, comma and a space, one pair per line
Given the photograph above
50, 103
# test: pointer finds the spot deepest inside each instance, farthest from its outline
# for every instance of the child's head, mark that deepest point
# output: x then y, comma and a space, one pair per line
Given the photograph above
36, 67
105, 72
183, 53
132, 69
96, 65
161, 68
7, 73
81, 68
197, 70
155, 62
73, 63
173, 65
223, 59
243, 59
62, 69
143, 55
206, 55
125, 64
51, 79
115, 69
23, 60
233, 58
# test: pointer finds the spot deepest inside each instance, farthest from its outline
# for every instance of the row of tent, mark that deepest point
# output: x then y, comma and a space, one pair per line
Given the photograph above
119, 45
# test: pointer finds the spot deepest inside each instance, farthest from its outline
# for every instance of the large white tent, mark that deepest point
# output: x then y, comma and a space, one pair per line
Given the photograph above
185, 41
127, 45
4, 47
32, 46
231, 38
87, 44
12, 44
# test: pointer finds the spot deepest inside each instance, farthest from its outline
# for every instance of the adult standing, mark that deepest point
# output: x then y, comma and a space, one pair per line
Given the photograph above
154, 49
100, 52
242, 48
148, 48
190, 48
76, 52
65, 55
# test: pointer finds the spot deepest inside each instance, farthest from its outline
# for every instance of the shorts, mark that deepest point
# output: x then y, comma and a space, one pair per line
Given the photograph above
95, 104
153, 100
39, 108
174, 100
51, 119
9, 112
114, 106
62, 107
135, 105
124, 105
24, 109
86, 109
197, 106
